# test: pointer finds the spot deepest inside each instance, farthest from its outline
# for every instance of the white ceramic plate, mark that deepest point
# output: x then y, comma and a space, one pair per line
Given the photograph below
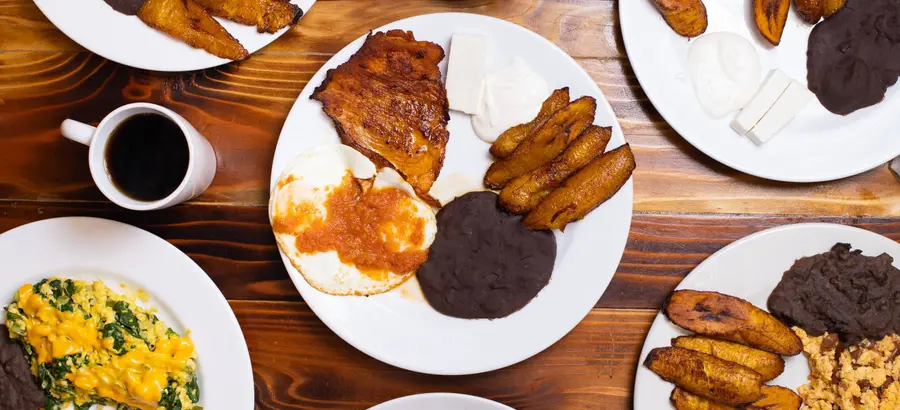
404, 330
750, 269
816, 146
97, 249
126, 40
441, 401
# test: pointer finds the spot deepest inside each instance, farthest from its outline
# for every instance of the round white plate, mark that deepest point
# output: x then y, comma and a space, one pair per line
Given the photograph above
750, 269
127, 40
816, 146
405, 331
441, 401
118, 254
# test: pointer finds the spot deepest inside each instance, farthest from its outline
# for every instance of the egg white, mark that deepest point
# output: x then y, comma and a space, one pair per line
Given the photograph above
310, 179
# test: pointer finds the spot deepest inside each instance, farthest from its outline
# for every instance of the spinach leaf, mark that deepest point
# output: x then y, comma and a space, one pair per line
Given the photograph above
15, 323
37, 287
169, 399
126, 318
114, 331
70, 287
51, 403
51, 372
193, 390
61, 293
85, 406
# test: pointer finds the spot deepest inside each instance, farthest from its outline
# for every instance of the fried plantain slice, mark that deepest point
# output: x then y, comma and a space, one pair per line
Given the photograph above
268, 16
705, 375
832, 6
186, 20
810, 11
510, 139
768, 365
687, 17
771, 17
683, 400
773, 398
525, 191
730, 318
583, 192
544, 144
777, 398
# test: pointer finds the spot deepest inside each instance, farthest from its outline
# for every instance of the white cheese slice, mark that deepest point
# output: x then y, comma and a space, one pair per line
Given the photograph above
765, 98
465, 71
785, 109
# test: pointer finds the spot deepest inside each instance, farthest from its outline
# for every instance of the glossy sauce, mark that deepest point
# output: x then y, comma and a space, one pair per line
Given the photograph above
377, 230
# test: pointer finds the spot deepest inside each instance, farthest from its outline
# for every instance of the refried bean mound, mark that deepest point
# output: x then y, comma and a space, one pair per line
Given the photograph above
854, 56
842, 292
18, 390
484, 264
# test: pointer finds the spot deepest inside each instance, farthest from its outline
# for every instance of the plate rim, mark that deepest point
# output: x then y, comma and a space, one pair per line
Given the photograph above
645, 348
627, 190
209, 60
439, 395
243, 362
640, 71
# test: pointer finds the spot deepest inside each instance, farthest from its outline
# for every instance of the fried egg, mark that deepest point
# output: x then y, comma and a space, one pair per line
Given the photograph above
348, 228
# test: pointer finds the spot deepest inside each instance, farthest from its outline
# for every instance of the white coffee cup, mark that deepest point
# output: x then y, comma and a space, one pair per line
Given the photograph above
201, 157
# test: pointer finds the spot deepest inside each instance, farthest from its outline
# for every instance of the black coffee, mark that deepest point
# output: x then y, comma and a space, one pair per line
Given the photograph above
147, 157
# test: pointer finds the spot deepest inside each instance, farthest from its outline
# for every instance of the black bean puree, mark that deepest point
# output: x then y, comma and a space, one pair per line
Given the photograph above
840, 291
484, 264
126, 7
18, 390
854, 55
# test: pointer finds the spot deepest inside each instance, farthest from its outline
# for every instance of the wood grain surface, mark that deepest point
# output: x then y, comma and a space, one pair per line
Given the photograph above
687, 205
44, 78
234, 245
299, 364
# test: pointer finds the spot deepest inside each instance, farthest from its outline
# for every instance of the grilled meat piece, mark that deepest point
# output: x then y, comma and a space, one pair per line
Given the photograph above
389, 103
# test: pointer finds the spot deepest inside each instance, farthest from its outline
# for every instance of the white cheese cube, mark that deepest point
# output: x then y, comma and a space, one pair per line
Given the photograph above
785, 109
465, 71
765, 98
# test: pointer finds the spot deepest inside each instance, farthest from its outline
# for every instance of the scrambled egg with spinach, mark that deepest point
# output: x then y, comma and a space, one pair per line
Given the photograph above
87, 345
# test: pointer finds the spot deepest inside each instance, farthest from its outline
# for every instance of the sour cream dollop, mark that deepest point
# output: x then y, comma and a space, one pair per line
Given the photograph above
725, 71
510, 96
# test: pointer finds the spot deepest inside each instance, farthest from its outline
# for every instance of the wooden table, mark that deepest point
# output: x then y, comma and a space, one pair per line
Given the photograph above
687, 206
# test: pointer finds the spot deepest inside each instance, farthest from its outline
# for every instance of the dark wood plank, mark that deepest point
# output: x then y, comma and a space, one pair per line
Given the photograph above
241, 108
234, 245
299, 364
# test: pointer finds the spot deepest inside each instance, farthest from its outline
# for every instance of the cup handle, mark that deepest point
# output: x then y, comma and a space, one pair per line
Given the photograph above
77, 131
